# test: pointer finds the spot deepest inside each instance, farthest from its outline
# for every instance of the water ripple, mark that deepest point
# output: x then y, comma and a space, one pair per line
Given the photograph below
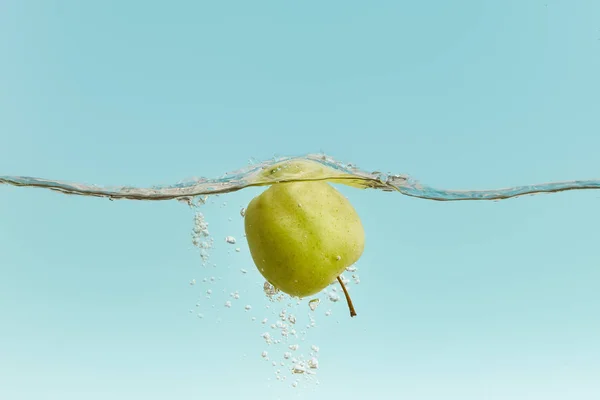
295, 169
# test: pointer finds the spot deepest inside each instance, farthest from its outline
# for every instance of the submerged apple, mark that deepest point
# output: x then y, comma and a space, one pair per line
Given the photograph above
303, 235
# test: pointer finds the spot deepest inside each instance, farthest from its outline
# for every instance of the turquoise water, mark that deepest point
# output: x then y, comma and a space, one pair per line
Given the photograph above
408, 102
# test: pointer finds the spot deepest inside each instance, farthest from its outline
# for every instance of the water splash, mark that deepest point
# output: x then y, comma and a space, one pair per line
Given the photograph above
312, 167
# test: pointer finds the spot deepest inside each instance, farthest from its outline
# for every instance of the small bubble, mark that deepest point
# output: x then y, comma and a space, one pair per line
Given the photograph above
200, 315
292, 319
293, 347
351, 268
228, 304
313, 363
209, 292
295, 384
313, 304
314, 348
298, 369
328, 313
264, 354
287, 355
192, 282
238, 249
243, 271
243, 212
338, 258
264, 321
248, 307
230, 239
267, 337
334, 297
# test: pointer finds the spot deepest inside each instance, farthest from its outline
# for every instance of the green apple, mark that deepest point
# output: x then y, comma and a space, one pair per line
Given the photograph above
303, 235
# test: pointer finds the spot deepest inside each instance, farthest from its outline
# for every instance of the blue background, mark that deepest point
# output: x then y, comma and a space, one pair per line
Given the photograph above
472, 300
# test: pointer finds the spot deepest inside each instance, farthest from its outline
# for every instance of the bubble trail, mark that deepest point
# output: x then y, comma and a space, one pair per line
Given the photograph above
319, 167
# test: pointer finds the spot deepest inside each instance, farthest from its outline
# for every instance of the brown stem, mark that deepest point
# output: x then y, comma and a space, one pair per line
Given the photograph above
348, 299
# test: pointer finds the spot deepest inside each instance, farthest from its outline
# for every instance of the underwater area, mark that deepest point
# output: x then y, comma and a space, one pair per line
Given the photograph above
134, 137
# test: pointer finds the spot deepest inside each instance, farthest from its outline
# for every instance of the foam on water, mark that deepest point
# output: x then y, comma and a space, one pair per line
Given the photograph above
312, 167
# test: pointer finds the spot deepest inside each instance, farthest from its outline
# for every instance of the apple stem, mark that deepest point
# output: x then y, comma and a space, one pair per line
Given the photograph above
348, 299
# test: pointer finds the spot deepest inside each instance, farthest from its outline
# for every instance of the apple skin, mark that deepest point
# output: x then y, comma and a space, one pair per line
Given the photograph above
303, 235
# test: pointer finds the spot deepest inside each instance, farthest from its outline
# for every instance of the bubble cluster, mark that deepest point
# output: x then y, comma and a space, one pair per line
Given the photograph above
201, 237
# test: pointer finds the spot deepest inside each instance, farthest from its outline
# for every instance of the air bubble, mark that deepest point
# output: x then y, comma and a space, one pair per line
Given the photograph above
228, 304
230, 239
313, 304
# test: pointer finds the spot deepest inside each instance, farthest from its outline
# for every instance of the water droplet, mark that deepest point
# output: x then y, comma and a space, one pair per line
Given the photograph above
209, 292
248, 307
351, 268
192, 282
314, 348
293, 347
228, 304
264, 321
338, 258
328, 313
313, 363
264, 354
230, 239
292, 319
238, 249
200, 315
287, 355
295, 384
313, 304
243, 212
243, 271
334, 297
